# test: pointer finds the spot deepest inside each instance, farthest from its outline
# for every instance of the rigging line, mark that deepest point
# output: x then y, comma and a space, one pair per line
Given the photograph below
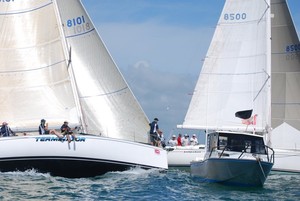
268, 6
262, 170
70, 57
262, 85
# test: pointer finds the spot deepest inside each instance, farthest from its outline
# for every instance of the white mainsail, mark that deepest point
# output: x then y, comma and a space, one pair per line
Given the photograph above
34, 79
55, 66
235, 73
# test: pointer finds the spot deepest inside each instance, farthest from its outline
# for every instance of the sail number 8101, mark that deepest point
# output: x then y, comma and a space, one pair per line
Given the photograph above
75, 21
79, 25
235, 16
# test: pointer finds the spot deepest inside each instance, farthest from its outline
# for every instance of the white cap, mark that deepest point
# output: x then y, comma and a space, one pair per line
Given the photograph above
173, 135
194, 135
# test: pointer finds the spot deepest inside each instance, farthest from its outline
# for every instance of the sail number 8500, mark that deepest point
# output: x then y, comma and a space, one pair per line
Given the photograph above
235, 16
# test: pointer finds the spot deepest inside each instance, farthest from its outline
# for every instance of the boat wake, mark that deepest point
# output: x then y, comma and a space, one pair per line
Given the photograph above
132, 174
29, 172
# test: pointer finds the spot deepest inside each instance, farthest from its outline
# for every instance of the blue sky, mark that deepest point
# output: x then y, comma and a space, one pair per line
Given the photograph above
158, 46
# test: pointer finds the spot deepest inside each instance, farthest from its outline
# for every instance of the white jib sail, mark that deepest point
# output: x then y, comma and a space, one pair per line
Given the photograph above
235, 74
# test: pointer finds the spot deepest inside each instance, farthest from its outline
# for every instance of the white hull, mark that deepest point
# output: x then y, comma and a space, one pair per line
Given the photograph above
232, 171
85, 157
182, 156
234, 158
287, 161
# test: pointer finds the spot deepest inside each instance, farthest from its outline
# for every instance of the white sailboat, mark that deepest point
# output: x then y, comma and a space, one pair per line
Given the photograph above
181, 156
253, 64
54, 66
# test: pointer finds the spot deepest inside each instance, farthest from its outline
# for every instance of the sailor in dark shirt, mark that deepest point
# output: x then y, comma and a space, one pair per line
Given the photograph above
43, 128
6, 131
154, 129
66, 130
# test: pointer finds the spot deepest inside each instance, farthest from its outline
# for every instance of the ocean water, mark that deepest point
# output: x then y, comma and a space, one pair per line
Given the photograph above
139, 184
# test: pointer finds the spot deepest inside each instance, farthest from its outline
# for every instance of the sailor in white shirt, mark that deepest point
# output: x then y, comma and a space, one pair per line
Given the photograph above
194, 140
173, 141
185, 140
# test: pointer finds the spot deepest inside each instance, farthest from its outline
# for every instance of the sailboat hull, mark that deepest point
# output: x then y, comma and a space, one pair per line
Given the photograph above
88, 156
181, 157
240, 172
287, 160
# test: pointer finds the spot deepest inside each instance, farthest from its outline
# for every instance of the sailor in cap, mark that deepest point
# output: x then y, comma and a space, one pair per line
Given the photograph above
185, 140
154, 129
173, 141
194, 140
6, 130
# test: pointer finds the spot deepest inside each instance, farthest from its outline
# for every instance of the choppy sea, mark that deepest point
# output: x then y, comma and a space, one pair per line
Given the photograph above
139, 184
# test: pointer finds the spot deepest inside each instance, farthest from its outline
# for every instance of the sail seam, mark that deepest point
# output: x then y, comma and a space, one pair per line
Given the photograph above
252, 73
290, 72
232, 57
238, 23
285, 103
32, 46
295, 52
71, 36
19, 71
27, 11
105, 94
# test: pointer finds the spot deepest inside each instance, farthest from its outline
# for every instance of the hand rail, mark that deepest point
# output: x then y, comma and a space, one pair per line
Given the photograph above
270, 156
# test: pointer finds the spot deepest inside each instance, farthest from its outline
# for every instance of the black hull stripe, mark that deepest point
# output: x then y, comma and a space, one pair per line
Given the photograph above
71, 167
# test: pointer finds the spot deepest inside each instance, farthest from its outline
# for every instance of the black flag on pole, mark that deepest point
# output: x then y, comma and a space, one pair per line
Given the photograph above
245, 114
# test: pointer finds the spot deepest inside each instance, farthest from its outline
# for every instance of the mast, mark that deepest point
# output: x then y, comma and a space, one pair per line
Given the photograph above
268, 69
68, 54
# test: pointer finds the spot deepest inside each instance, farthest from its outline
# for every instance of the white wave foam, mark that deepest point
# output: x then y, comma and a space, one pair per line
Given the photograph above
29, 172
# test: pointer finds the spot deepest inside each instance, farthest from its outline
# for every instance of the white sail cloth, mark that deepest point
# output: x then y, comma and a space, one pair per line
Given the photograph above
55, 66
235, 73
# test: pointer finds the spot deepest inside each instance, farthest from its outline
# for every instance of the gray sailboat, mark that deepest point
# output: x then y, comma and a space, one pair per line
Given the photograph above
234, 158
